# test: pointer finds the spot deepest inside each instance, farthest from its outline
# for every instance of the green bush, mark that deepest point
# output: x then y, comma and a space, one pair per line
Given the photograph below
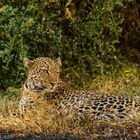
82, 33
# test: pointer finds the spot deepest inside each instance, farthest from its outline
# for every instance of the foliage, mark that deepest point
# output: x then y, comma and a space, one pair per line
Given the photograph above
130, 40
83, 33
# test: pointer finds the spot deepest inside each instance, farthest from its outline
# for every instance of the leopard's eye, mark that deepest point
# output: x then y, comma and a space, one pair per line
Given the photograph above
57, 70
45, 67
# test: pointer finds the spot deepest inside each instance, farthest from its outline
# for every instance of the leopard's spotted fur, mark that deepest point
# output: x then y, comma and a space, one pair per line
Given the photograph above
86, 103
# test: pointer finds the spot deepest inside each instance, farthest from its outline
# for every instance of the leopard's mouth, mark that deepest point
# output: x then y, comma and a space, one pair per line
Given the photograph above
34, 85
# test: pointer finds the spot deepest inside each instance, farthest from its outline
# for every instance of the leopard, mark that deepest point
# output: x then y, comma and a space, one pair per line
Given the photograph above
44, 79
39, 70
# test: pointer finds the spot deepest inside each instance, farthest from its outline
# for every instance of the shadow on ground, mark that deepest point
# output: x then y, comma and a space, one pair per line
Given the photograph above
38, 137
60, 137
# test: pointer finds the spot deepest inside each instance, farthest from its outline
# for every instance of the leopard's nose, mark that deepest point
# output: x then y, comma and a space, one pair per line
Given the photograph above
53, 84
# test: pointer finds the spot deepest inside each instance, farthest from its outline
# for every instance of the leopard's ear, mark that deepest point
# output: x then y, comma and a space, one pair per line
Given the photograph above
58, 61
27, 62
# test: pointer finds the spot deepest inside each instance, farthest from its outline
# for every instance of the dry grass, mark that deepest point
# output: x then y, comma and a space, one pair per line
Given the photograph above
126, 82
46, 120
52, 122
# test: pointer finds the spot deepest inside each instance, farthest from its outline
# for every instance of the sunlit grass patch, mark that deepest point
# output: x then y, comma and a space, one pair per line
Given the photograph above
126, 81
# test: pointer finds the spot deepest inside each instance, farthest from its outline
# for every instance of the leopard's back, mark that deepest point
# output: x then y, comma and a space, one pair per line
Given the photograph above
101, 106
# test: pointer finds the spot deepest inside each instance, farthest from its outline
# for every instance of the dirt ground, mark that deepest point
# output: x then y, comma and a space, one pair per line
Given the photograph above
4, 136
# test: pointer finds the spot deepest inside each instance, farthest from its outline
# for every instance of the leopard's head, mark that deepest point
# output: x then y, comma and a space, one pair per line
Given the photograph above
43, 74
